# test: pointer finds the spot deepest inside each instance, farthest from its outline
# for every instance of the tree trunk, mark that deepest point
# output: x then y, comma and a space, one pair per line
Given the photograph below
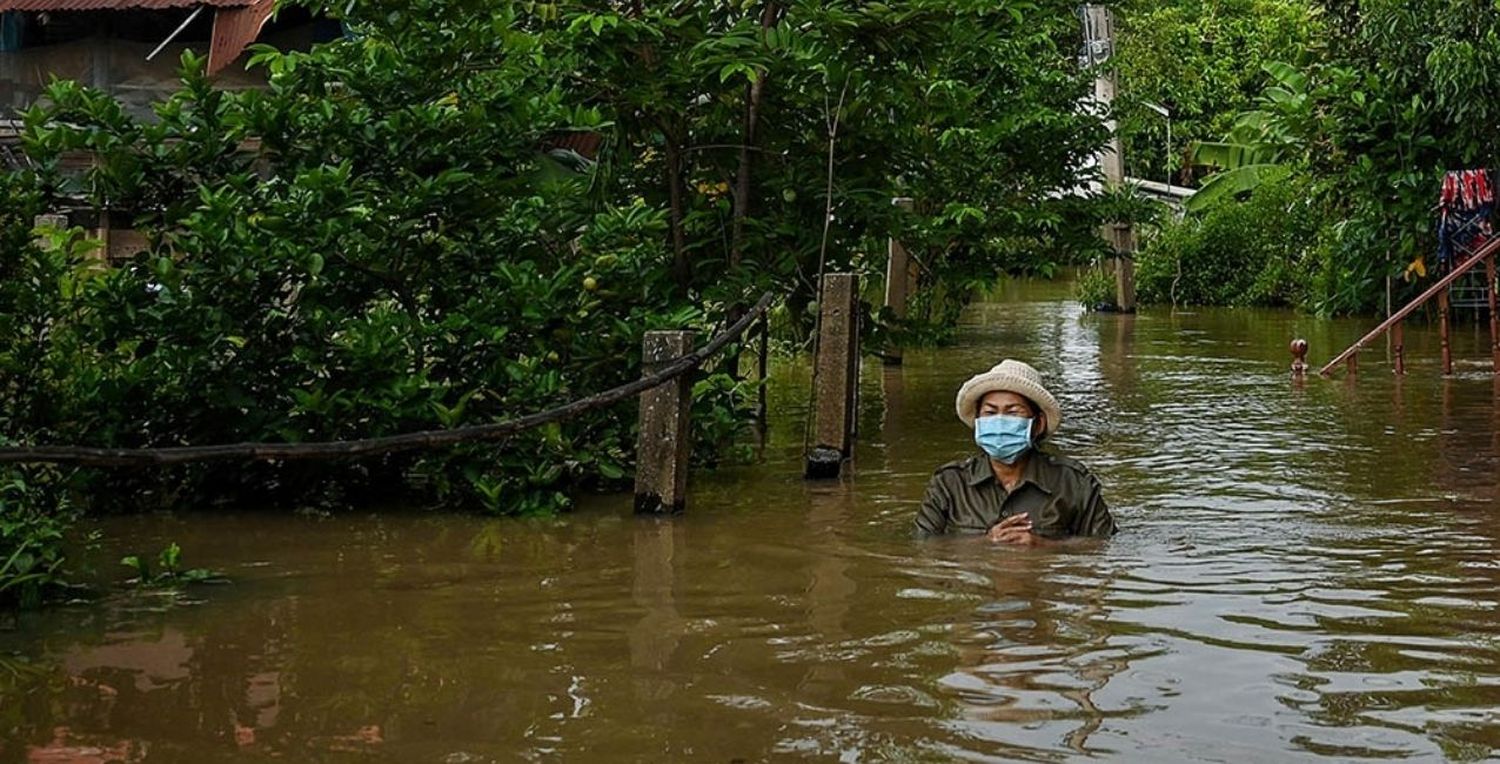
755, 92
682, 270
753, 96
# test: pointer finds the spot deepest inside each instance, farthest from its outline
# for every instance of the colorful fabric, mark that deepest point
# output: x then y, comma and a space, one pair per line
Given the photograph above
1464, 209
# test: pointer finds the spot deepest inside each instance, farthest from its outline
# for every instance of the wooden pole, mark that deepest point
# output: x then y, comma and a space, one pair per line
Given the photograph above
664, 441
1099, 46
898, 282
1398, 340
1489, 283
1443, 311
835, 376
765, 367
1124, 246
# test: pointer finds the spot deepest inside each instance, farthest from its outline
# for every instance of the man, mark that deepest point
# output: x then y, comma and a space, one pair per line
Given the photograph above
1011, 491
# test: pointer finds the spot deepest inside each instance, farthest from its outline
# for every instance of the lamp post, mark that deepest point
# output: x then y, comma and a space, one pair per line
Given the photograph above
1167, 115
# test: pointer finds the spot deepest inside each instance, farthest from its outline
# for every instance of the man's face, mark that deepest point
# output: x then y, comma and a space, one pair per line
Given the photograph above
1004, 403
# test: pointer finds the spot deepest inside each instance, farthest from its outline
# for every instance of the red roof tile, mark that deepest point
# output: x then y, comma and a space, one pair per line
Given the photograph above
113, 5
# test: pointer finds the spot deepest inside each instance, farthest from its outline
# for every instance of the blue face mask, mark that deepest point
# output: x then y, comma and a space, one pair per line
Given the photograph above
1004, 438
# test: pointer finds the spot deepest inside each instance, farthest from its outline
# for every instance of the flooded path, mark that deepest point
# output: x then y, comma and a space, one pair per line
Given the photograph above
1303, 573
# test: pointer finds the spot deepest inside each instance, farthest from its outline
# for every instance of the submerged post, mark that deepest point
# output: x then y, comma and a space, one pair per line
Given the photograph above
1398, 346
1124, 246
900, 280
764, 367
835, 376
1489, 276
664, 442
1443, 332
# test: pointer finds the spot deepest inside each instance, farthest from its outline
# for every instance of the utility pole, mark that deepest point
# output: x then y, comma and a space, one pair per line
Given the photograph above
1098, 48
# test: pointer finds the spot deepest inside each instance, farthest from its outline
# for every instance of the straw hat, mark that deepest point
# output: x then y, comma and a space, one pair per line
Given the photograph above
1013, 377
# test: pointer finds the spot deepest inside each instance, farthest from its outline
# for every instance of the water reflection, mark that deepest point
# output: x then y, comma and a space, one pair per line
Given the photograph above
1305, 572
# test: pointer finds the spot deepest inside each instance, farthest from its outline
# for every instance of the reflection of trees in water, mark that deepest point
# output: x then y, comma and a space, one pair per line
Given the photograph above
1466, 443
181, 679
338, 664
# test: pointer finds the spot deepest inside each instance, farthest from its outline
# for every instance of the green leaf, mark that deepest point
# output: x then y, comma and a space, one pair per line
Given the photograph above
1228, 184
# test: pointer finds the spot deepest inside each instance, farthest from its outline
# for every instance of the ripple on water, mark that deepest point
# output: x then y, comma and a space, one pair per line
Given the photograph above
1307, 571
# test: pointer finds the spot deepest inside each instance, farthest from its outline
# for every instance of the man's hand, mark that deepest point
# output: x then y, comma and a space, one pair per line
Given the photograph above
1015, 529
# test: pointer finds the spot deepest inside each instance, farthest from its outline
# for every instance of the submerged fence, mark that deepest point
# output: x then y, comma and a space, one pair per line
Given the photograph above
665, 391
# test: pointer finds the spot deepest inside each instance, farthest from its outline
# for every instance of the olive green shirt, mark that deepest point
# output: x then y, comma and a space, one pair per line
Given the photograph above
1060, 495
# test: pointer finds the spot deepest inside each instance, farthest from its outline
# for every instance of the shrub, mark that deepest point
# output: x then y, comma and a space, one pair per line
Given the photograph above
1240, 253
35, 520
1095, 285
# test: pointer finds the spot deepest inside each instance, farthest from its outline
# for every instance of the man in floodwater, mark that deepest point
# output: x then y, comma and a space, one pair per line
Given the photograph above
1013, 492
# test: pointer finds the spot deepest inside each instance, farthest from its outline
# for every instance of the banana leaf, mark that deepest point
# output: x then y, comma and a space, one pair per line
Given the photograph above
1229, 156
1231, 183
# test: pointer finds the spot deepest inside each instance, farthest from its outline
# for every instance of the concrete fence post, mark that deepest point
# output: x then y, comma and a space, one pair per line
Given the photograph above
835, 376
665, 442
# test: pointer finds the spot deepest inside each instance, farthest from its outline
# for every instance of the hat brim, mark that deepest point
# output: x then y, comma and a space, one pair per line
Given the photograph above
975, 389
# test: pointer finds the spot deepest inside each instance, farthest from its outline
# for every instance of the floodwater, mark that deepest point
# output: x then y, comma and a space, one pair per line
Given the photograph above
1305, 572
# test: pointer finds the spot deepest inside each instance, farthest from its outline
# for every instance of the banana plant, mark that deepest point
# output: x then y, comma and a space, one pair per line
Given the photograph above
1262, 145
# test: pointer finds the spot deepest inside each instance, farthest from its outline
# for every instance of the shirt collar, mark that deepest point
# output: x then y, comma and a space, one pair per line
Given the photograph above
979, 470
1036, 472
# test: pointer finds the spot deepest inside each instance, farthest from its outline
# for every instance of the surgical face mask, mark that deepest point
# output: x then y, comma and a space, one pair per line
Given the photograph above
1004, 438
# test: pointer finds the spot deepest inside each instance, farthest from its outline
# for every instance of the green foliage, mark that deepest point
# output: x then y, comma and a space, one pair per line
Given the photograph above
1411, 92
1255, 252
1095, 285
35, 524
1204, 61
1265, 144
169, 571
386, 262
967, 107
391, 238
1384, 98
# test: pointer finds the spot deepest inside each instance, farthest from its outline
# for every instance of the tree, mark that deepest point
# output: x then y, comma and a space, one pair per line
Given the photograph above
380, 243
1203, 61
1265, 144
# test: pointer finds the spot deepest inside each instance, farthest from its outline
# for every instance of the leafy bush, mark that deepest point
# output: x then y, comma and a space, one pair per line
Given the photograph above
390, 237
35, 520
425, 277
1251, 252
1095, 285
1203, 61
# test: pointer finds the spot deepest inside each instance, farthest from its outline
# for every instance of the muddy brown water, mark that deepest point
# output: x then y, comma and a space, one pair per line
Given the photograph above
1304, 572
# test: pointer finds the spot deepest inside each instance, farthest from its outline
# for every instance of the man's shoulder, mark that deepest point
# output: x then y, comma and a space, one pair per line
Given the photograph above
954, 474
957, 466
1068, 466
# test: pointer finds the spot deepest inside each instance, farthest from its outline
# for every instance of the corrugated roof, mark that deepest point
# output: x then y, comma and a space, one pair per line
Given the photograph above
234, 29
113, 5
